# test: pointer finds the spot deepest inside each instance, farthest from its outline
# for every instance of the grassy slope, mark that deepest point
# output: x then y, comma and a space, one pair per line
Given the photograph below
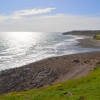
86, 88
97, 37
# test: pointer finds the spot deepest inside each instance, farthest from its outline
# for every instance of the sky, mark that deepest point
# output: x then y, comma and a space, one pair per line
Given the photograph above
49, 15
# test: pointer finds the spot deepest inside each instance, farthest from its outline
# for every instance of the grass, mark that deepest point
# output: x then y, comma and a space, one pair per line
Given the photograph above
85, 88
97, 37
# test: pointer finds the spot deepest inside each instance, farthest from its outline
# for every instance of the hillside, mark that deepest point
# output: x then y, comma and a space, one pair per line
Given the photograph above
97, 36
81, 32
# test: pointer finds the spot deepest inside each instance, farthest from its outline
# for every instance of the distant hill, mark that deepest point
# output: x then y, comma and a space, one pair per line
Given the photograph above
82, 32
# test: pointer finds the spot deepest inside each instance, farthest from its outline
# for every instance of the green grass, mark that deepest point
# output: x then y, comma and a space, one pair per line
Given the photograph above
97, 37
85, 88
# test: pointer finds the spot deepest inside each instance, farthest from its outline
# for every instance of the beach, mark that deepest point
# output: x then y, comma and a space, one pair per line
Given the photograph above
52, 70
88, 42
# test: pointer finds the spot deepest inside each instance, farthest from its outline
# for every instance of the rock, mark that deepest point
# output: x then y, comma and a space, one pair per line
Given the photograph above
19, 79
70, 94
77, 61
86, 62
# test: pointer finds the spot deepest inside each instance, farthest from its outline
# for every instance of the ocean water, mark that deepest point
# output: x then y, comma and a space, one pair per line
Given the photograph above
20, 48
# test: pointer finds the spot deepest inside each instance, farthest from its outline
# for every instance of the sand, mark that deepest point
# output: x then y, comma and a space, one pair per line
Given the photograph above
51, 71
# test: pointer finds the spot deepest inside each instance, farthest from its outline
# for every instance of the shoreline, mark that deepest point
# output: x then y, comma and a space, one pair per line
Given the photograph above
88, 42
49, 71
52, 70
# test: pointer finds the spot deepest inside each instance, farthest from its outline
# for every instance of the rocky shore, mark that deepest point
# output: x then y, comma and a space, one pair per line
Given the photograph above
47, 72
88, 42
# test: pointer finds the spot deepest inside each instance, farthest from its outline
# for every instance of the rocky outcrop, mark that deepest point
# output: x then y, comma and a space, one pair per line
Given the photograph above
27, 78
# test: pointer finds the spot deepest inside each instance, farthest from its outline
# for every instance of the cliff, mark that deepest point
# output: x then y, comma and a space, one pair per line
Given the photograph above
82, 32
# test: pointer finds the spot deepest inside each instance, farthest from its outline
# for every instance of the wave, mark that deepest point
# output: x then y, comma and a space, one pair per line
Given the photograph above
37, 47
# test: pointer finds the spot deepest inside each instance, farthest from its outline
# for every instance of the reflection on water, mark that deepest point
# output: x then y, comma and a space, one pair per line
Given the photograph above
14, 46
17, 42
19, 48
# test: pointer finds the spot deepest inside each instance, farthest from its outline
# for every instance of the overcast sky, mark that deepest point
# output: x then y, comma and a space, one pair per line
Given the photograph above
49, 15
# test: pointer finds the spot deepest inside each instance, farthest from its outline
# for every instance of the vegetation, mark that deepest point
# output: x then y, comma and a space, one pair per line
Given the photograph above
97, 37
85, 88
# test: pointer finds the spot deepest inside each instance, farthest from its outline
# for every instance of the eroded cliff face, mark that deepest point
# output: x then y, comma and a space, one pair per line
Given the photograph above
80, 32
47, 72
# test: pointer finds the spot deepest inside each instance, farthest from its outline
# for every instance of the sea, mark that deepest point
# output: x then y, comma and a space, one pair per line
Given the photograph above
21, 48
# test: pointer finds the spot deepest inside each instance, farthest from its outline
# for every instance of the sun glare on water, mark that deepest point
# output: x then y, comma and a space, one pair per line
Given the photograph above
21, 39
24, 36
21, 36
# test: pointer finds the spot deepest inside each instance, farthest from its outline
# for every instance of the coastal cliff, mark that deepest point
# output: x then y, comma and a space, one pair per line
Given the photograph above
80, 32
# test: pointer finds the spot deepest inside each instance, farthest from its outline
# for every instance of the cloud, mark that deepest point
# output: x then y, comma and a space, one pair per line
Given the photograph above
32, 12
52, 23
23, 13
